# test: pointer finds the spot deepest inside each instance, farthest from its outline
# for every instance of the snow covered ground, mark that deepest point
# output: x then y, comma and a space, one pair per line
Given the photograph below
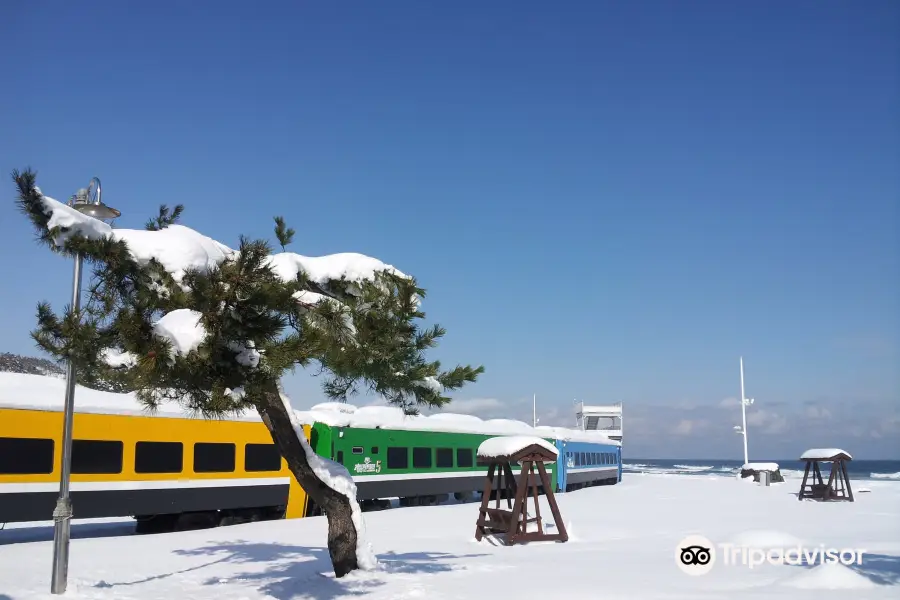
623, 545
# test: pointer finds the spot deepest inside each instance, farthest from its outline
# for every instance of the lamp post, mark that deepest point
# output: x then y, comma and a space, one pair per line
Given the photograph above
62, 514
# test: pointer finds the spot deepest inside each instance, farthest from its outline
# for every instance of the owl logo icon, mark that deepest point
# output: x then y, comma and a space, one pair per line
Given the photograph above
695, 555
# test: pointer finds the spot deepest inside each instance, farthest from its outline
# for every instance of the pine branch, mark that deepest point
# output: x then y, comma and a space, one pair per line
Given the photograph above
165, 218
358, 334
284, 234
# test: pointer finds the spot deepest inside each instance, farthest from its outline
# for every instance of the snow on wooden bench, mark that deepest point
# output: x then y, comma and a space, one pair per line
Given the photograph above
507, 447
825, 454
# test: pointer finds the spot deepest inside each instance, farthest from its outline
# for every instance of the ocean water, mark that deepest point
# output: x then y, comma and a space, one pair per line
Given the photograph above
869, 470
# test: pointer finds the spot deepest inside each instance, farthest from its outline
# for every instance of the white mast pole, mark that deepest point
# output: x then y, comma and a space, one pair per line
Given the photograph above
744, 413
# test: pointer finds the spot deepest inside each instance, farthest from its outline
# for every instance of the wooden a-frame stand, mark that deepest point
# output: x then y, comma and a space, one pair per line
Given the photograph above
838, 486
514, 522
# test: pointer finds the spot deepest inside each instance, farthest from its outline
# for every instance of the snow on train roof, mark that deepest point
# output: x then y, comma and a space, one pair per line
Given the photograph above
388, 417
42, 392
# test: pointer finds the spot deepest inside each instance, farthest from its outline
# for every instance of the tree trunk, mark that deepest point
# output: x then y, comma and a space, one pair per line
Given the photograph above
342, 535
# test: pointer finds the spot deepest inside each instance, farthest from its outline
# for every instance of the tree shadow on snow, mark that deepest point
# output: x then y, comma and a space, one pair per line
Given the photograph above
881, 569
292, 572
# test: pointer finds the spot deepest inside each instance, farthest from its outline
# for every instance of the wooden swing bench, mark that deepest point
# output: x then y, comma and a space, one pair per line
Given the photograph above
838, 486
512, 523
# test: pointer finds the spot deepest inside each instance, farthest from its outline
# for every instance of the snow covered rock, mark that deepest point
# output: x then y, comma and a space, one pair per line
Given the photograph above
754, 470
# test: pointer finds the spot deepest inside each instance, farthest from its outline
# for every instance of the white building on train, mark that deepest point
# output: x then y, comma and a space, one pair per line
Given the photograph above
606, 418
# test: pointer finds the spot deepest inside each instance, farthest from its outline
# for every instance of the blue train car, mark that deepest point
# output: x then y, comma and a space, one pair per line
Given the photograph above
586, 464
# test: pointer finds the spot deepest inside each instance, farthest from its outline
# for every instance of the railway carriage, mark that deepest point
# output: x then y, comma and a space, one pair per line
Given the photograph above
586, 464
418, 467
168, 470
175, 471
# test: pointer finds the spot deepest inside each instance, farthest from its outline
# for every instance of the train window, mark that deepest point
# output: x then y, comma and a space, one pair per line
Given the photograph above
594, 458
340, 456
397, 458
374, 449
261, 457
213, 458
577, 459
464, 457
357, 450
605, 458
25, 456
444, 458
158, 457
422, 458
97, 456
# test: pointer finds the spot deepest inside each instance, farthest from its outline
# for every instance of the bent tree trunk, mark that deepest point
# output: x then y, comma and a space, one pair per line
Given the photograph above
342, 535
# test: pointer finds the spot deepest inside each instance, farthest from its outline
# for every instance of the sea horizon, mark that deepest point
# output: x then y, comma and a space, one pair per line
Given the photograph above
864, 469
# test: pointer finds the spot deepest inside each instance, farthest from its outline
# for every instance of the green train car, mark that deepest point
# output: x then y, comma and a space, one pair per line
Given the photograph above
418, 467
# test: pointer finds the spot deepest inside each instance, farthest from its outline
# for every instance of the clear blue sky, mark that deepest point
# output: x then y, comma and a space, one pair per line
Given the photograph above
605, 200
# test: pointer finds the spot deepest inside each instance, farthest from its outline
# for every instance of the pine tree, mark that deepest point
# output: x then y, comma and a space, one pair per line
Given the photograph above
258, 316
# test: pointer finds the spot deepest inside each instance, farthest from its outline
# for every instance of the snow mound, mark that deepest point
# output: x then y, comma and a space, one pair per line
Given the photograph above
760, 466
830, 576
765, 539
507, 445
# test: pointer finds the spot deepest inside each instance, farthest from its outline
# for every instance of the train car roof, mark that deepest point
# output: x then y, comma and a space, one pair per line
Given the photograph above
388, 417
47, 393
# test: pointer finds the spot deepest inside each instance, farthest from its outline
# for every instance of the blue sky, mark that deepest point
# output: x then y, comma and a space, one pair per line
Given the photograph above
605, 200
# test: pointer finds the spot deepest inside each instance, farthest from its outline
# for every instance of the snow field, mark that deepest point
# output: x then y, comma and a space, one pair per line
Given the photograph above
623, 543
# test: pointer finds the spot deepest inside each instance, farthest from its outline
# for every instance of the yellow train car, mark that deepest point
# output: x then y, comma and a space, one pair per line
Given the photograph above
168, 470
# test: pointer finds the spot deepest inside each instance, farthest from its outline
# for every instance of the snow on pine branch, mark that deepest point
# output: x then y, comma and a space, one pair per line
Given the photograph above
431, 383
183, 330
116, 358
179, 248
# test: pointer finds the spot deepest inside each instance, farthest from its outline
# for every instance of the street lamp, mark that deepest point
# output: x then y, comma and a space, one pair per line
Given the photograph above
62, 514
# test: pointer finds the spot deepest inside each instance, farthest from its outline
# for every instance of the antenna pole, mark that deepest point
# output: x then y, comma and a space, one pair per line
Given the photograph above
534, 411
744, 413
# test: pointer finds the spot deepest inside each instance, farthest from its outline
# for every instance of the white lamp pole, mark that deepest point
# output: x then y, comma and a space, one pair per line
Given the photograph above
62, 514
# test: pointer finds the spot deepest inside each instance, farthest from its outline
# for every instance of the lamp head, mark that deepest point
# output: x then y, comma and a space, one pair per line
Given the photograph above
95, 209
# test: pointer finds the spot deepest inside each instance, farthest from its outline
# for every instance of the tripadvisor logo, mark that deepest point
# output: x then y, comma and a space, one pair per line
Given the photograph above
696, 555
